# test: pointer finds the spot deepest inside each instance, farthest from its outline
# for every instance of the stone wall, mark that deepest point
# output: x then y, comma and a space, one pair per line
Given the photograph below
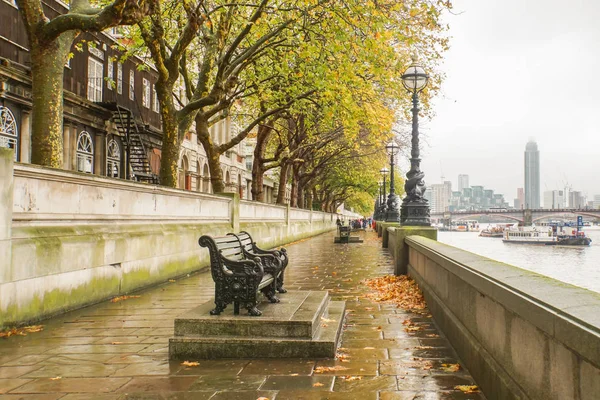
521, 335
70, 239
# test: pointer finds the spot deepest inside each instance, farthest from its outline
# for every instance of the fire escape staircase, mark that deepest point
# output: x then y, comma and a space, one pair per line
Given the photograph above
138, 164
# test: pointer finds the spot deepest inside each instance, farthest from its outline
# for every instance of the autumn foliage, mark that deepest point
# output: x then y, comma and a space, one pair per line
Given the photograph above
400, 290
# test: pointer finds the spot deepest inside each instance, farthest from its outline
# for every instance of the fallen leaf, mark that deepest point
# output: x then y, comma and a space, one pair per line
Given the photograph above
353, 378
116, 342
263, 398
369, 348
320, 370
172, 280
21, 331
327, 319
450, 367
190, 363
467, 388
56, 378
293, 374
121, 298
401, 290
317, 384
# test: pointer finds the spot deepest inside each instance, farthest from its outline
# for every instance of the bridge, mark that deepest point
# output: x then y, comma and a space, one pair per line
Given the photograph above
525, 216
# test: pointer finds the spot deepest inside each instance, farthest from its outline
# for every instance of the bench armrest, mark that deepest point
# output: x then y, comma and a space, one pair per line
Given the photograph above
244, 267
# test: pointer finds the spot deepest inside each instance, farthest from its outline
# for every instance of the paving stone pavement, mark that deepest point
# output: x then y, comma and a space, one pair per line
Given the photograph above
115, 351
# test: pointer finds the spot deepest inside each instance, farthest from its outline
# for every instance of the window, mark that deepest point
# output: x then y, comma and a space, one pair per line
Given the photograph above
154, 99
131, 84
119, 78
9, 135
146, 93
113, 159
109, 74
95, 79
85, 153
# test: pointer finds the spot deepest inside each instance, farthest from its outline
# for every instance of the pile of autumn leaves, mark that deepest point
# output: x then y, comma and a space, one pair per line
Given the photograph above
400, 290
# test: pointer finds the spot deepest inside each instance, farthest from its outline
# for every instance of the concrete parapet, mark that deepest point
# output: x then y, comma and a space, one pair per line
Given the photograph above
398, 247
69, 239
382, 227
521, 335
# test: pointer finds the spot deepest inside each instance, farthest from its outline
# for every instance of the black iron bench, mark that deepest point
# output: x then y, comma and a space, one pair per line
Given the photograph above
276, 259
238, 275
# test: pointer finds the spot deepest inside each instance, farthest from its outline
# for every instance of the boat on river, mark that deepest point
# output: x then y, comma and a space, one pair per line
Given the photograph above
546, 235
495, 231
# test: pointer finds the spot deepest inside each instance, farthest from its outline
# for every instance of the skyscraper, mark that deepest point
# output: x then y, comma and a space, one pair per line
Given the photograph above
532, 175
463, 182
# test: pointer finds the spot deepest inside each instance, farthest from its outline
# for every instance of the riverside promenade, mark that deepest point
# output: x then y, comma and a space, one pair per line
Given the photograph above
119, 350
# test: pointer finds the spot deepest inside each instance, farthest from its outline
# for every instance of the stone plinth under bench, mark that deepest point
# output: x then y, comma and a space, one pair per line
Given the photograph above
305, 324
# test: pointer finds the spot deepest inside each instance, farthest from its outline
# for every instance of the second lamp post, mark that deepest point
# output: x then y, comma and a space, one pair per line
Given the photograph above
392, 213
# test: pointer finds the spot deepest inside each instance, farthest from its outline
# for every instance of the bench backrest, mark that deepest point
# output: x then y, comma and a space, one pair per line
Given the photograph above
229, 247
246, 241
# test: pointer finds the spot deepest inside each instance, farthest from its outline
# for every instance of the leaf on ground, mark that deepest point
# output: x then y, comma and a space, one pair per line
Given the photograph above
190, 363
400, 290
263, 398
353, 378
413, 328
116, 342
327, 319
467, 388
320, 370
450, 367
172, 280
317, 384
56, 378
432, 335
21, 331
369, 348
427, 366
121, 298
333, 273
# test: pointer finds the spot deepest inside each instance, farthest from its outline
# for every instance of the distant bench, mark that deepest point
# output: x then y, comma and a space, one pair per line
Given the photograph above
240, 270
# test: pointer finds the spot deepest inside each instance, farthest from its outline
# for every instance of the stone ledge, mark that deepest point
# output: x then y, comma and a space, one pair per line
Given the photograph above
565, 312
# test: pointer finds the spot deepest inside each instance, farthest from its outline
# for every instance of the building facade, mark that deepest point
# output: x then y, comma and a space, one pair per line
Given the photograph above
111, 120
463, 182
554, 199
532, 176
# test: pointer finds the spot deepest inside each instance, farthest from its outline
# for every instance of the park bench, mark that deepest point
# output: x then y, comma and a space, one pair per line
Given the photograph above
239, 276
276, 258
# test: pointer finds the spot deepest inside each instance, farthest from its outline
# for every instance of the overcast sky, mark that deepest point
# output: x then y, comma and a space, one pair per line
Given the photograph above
518, 69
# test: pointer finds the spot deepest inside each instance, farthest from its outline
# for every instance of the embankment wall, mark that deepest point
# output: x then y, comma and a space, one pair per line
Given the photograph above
521, 335
69, 239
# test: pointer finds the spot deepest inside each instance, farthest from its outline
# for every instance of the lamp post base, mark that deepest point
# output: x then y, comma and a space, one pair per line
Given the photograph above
415, 214
392, 213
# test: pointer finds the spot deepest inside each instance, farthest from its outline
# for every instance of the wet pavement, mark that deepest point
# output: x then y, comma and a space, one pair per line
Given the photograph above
119, 350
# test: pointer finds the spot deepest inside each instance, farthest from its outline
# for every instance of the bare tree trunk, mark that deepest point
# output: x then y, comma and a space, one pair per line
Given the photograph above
258, 167
47, 65
282, 182
295, 182
170, 141
214, 162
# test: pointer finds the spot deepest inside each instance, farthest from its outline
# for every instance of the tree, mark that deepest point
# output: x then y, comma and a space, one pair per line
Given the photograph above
50, 42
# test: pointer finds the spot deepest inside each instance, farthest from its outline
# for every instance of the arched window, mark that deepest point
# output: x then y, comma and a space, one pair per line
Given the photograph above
85, 153
113, 159
206, 179
9, 135
184, 176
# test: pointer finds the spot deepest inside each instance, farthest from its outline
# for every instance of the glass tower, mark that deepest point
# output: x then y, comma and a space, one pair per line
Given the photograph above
532, 176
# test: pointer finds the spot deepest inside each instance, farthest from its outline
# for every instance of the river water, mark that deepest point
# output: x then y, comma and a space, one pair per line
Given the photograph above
579, 266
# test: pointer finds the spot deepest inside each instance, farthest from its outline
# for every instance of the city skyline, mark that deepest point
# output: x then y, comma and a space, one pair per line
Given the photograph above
501, 89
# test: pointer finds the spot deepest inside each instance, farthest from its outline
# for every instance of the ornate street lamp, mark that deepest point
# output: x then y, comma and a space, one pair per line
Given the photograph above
415, 207
377, 202
393, 213
382, 207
